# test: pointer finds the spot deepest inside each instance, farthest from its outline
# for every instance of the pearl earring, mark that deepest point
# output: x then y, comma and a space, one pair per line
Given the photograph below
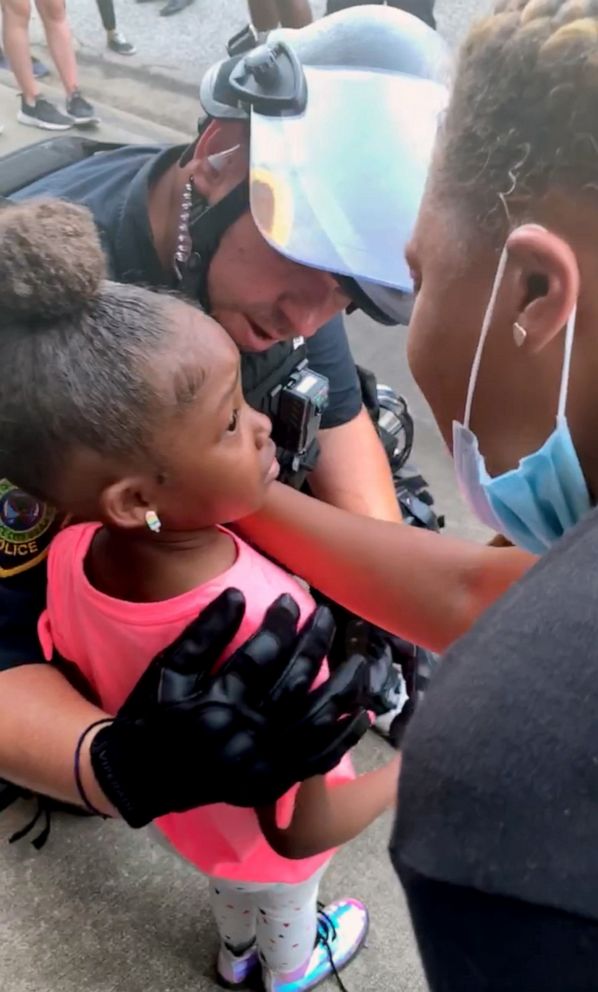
152, 521
519, 334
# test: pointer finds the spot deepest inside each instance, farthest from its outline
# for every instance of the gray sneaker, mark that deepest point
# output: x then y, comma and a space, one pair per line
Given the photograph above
81, 110
43, 114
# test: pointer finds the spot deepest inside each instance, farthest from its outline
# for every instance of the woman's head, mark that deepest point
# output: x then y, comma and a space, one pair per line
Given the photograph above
115, 400
518, 149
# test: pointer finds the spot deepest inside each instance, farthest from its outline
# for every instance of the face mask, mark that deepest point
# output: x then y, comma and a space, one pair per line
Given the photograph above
534, 504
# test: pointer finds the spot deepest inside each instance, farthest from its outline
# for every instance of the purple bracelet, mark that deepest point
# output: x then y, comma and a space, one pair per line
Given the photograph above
77, 768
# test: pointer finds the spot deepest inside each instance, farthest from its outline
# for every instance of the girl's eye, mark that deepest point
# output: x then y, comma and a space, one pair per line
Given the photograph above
233, 422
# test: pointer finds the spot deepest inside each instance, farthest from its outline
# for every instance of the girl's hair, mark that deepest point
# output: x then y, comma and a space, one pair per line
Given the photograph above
73, 347
523, 118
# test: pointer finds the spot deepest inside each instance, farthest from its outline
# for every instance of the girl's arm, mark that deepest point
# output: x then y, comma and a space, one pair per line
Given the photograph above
422, 586
328, 817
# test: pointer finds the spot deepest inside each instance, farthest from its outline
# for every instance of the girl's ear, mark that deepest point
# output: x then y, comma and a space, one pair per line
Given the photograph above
125, 503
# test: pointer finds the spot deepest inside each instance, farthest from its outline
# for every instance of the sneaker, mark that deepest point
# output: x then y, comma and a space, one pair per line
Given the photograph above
119, 44
342, 930
40, 69
233, 971
81, 110
43, 114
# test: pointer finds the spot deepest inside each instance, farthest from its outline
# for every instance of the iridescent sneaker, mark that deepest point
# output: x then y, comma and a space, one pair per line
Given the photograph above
342, 930
235, 971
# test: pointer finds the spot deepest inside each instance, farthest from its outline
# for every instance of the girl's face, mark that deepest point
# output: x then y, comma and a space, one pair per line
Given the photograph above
216, 455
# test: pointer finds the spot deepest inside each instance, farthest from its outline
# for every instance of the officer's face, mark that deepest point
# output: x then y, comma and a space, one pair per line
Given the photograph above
259, 296
215, 453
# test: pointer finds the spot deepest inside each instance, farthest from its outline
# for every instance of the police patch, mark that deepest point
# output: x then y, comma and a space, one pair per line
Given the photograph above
27, 525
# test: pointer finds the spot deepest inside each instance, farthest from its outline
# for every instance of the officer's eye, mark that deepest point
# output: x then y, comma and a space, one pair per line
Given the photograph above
233, 422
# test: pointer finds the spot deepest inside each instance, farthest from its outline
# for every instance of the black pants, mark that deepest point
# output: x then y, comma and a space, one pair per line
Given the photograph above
473, 942
106, 9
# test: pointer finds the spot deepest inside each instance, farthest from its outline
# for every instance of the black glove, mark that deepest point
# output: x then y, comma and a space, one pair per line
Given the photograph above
185, 737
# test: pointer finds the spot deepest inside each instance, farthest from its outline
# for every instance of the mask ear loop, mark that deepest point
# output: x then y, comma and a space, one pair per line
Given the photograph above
477, 359
564, 390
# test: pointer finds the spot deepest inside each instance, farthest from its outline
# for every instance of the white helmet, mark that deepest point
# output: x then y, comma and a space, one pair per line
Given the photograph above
343, 117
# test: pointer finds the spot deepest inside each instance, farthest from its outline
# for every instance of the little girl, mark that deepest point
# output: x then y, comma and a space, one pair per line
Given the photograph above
131, 413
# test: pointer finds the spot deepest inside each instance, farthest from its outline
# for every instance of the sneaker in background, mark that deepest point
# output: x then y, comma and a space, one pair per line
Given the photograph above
119, 44
43, 114
80, 110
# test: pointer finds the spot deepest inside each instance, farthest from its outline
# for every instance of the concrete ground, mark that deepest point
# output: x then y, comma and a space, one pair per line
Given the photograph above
101, 908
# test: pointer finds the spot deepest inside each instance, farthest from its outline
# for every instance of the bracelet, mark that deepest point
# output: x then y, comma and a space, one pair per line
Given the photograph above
77, 768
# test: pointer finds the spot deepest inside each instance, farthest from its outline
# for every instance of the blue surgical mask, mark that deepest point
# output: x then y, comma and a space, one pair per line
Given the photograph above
534, 504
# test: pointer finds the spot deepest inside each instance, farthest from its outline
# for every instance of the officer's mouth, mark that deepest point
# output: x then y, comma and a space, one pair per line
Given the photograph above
256, 338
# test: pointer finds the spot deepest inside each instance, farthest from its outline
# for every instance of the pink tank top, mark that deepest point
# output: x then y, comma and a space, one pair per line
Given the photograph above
112, 641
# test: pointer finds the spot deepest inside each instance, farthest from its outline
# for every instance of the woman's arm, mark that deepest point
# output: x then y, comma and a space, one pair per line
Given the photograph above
328, 817
41, 719
422, 586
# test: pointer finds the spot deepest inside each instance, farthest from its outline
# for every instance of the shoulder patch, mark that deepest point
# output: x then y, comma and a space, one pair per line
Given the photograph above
27, 525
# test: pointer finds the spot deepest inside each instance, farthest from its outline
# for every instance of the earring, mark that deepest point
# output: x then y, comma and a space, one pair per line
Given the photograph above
519, 335
152, 521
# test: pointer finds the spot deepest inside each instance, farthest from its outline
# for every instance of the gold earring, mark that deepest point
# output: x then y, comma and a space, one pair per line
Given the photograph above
153, 521
519, 334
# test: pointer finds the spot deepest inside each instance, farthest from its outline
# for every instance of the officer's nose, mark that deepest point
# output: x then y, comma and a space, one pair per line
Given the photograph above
305, 311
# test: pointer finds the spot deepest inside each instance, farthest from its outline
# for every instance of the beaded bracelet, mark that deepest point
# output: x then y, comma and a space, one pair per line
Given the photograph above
77, 768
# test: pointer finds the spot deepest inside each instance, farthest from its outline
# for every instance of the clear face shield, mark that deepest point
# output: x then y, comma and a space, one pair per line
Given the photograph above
338, 186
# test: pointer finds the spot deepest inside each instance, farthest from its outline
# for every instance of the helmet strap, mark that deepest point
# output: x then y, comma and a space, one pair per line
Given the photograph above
201, 229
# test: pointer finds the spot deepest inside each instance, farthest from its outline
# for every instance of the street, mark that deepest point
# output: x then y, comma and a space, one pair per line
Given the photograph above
102, 908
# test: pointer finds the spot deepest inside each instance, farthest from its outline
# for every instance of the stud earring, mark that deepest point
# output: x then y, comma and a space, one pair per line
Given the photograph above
519, 334
152, 521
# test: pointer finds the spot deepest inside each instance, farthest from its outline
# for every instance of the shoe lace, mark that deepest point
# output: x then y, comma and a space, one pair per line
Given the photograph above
327, 933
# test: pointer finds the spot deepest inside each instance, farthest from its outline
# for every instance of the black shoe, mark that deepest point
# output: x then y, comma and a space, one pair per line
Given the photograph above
43, 114
174, 6
119, 44
80, 110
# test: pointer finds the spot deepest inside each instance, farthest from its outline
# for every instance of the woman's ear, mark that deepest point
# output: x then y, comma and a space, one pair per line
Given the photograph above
125, 503
548, 279
221, 159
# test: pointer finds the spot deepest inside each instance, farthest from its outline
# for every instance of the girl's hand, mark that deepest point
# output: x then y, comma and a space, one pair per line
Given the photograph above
325, 818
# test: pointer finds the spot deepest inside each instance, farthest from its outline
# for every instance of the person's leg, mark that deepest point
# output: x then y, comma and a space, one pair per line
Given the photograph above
474, 942
115, 39
294, 13
15, 35
60, 42
235, 917
263, 14
287, 925
106, 9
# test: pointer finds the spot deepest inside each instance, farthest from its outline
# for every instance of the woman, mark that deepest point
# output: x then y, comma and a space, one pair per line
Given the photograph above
496, 841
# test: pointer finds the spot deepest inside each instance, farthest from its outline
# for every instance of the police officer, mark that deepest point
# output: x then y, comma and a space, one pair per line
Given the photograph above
179, 217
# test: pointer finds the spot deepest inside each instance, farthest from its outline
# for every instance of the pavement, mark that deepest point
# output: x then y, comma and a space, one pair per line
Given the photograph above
102, 908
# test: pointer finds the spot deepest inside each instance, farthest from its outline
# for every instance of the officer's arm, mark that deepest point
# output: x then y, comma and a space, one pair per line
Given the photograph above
41, 718
420, 585
352, 471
